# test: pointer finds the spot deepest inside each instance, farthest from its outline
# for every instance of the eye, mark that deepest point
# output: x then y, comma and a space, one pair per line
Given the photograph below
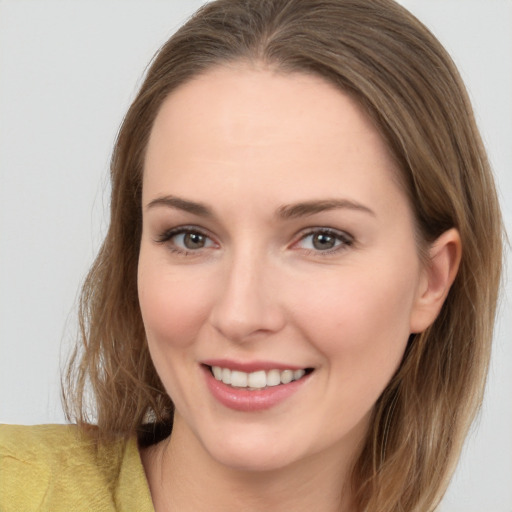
186, 239
192, 240
324, 240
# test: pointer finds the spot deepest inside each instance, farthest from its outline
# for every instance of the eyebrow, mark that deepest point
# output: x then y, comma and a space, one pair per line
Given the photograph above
291, 211
179, 203
311, 207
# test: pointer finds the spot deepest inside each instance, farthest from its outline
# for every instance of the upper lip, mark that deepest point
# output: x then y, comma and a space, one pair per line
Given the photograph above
251, 366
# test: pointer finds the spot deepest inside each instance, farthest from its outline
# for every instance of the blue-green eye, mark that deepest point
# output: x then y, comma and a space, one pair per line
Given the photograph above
324, 240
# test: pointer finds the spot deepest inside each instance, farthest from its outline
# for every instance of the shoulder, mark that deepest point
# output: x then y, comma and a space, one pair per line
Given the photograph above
38, 442
60, 467
57, 448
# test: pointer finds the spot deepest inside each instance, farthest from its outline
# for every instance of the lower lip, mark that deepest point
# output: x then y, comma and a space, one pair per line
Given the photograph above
241, 399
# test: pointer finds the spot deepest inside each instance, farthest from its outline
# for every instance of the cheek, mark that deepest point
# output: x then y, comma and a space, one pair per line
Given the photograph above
360, 323
362, 347
357, 308
174, 304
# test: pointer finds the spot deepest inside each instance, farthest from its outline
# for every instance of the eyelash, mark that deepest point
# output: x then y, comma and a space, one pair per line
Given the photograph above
345, 240
167, 236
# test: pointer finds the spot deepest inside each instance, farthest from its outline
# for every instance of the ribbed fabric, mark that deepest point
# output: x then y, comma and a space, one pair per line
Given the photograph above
57, 468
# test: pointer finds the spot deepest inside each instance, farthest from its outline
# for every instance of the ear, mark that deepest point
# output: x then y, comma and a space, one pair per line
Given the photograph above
437, 277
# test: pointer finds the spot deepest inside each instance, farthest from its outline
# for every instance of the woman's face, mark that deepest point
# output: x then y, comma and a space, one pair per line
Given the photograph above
276, 245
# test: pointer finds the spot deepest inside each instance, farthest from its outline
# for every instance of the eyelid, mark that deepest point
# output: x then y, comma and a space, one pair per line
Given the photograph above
168, 234
345, 238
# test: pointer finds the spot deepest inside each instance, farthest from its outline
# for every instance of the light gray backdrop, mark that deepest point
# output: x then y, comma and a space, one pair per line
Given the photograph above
68, 71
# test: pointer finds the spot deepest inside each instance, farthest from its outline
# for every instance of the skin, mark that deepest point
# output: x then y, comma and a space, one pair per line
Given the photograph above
247, 142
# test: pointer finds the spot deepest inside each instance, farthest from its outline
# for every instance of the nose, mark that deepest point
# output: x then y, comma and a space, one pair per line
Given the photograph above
248, 305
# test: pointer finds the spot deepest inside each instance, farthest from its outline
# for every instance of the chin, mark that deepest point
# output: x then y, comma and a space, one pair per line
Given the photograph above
249, 453
254, 461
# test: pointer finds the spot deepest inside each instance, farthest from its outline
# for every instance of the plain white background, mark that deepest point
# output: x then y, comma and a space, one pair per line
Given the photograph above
68, 70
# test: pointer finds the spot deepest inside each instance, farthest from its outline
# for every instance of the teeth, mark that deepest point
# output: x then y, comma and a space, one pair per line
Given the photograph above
286, 376
297, 374
273, 378
256, 380
239, 379
226, 375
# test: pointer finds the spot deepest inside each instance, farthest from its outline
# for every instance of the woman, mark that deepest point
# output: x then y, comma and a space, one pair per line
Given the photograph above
294, 301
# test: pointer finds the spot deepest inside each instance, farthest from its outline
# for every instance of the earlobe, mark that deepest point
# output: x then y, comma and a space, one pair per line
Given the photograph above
438, 276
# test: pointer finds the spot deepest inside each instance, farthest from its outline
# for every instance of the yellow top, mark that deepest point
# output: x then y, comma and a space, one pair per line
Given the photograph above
57, 468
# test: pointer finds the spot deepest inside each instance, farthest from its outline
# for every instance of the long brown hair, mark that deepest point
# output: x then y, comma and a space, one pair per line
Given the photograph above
395, 68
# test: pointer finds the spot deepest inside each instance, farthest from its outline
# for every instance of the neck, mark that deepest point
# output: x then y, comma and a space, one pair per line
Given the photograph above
183, 477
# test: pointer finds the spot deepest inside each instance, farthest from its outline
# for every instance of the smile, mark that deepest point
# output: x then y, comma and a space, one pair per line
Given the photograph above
253, 386
257, 380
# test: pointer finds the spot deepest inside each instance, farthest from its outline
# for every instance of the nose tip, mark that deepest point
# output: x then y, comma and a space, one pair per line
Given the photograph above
247, 306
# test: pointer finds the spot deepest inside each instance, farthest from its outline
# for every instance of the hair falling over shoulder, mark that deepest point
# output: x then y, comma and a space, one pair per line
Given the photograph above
395, 68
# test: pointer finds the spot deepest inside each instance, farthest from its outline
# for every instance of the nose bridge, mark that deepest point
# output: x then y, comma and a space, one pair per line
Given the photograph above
247, 302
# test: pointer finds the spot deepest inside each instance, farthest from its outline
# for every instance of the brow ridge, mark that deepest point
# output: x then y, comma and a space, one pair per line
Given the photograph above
312, 207
179, 203
285, 212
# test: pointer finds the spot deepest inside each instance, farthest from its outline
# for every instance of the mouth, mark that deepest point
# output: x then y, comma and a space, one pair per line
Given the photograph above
257, 380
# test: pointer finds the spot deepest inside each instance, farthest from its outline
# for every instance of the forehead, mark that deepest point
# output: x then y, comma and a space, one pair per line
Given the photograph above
262, 128
243, 101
